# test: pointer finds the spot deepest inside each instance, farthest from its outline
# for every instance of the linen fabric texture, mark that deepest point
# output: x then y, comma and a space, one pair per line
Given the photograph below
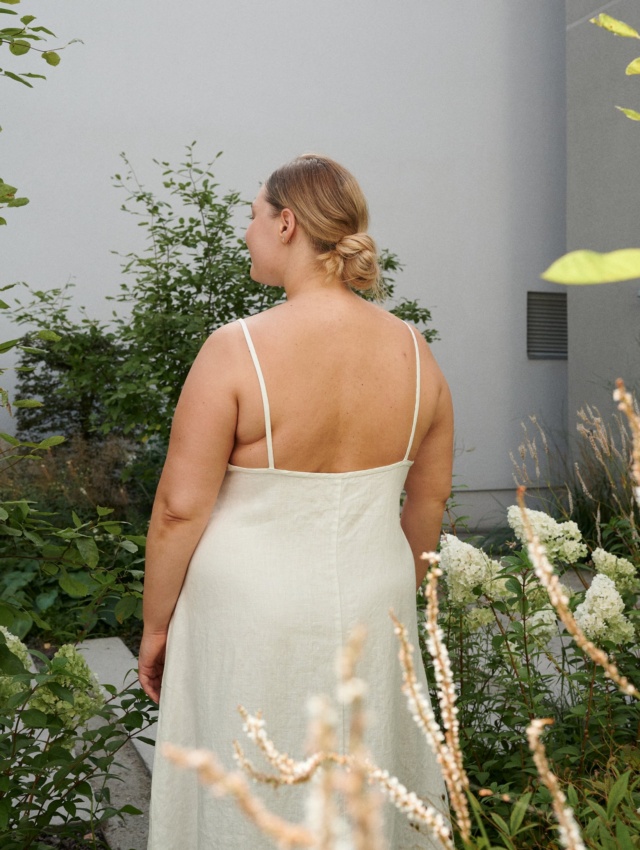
289, 563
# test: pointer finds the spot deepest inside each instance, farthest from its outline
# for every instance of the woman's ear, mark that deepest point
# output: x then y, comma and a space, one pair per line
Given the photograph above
287, 224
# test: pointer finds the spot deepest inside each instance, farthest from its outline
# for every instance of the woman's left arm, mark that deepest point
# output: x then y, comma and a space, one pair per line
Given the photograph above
202, 439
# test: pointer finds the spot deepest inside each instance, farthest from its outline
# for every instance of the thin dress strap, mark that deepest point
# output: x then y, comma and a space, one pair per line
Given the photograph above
417, 404
263, 391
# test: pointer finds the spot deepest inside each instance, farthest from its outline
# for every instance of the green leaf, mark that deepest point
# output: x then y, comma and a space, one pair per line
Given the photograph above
27, 403
46, 599
623, 837
50, 336
51, 441
19, 47
630, 113
617, 793
65, 694
633, 67
103, 511
33, 718
72, 586
8, 438
8, 345
589, 267
13, 76
129, 546
10, 2
18, 202
125, 607
597, 808
51, 58
3, 305
5, 811
88, 551
518, 812
2, 220
10, 664
130, 810
26, 19
615, 26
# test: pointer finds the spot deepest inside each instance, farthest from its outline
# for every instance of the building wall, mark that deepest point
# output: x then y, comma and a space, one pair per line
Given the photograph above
451, 115
603, 192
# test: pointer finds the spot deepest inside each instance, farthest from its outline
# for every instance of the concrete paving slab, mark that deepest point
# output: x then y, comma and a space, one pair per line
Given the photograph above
114, 664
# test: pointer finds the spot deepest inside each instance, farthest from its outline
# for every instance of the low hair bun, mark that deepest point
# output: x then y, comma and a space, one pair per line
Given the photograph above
354, 260
330, 207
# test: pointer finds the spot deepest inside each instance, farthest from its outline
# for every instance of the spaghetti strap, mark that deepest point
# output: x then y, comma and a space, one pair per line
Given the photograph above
417, 404
263, 391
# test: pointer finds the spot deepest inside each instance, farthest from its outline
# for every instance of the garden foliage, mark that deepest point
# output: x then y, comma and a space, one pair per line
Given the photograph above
513, 662
193, 277
589, 267
21, 37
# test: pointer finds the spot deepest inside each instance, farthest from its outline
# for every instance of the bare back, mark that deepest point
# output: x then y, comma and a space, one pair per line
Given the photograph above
340, 375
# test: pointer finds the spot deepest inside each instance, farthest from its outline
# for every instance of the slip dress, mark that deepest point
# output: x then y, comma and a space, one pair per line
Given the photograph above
288, 564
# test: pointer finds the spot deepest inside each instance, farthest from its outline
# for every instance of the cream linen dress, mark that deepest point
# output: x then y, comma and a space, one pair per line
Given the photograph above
288, 564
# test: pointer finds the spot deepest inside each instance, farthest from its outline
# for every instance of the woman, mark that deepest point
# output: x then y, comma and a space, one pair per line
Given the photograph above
290, 447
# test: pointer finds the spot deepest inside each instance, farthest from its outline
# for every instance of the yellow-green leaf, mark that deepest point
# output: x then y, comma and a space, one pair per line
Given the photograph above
633, 67
19, 47
27, 403
615, 26
630, 113
50, 336
51, 58
593, 267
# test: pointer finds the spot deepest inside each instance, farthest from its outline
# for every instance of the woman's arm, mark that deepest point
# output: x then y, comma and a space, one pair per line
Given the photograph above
202, 438
428, 484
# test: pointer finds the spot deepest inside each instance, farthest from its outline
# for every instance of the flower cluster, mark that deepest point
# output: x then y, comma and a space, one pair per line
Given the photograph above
8, 686
562, 540
621, 572
600, 615
466, 568
543, 625
85, 697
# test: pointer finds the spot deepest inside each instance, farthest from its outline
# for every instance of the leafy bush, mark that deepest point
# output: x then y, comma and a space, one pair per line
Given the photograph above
53, 766
512, 663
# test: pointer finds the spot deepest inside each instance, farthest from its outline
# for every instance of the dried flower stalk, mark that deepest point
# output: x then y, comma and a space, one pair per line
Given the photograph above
363, 806
569, 831
222, 783
446, 746
411, 805
560, 602
626, 405
289, 771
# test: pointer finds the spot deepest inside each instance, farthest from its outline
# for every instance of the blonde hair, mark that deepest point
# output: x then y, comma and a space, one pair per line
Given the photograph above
330, 207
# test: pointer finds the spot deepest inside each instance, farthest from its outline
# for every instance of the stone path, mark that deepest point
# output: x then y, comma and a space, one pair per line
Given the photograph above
114, 664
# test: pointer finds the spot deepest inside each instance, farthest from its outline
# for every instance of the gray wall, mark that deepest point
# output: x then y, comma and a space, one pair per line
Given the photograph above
602, 200
451, 115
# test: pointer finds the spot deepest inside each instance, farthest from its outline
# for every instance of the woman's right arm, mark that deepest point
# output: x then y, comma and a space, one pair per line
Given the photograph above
428, 484
202, 438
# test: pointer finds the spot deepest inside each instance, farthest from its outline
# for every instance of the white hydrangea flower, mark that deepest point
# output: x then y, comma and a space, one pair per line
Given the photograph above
621, 571
76, 676
464, 568
478, 618
601, 616
562, 540
9, 687
543, 625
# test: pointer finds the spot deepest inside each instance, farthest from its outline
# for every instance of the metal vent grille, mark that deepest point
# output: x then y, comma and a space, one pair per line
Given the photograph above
547, 337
